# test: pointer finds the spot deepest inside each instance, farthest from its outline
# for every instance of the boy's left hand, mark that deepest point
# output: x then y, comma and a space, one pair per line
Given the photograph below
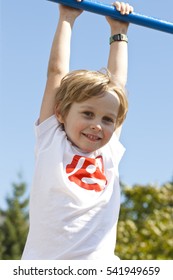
124, 9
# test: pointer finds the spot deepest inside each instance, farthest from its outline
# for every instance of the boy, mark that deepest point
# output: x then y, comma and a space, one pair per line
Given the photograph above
75, 198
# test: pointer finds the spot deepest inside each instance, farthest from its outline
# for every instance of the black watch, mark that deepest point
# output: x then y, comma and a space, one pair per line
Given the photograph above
118, 37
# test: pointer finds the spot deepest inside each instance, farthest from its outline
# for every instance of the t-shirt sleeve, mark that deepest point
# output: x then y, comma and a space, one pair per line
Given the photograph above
45, 133
116, 148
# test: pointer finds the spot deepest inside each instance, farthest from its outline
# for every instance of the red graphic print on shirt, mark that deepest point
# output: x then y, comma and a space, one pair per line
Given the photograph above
87, 173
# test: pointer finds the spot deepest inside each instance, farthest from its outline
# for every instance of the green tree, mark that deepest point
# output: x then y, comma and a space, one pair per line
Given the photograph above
1, 236
14, 224
145, 228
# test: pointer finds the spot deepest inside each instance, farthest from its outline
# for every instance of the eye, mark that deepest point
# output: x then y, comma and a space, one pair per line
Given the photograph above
108, 120
88, 114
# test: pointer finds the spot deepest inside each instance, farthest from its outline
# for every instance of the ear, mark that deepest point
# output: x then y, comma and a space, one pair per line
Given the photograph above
60, 118
58, 115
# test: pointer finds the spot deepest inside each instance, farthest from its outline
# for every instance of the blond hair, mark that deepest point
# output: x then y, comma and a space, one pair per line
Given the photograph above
80, 85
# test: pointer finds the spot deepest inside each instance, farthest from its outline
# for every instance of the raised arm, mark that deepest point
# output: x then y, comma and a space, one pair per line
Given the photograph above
118, 55
59, 60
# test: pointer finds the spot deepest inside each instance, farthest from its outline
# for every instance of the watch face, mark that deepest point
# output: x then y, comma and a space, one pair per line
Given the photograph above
116, 37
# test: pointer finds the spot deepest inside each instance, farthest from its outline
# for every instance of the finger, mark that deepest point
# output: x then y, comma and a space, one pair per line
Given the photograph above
120, 6
131, 9
117, 5
128, 9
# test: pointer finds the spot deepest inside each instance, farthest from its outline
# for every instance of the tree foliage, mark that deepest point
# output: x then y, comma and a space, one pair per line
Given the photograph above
145, 228
14, 224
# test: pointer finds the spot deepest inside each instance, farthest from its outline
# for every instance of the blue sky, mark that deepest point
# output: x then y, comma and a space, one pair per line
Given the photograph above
27, 29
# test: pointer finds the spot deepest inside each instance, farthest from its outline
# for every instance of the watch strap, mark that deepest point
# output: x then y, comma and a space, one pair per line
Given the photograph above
118, 37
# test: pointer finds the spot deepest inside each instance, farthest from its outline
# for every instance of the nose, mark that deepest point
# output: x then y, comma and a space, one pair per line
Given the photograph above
96, 127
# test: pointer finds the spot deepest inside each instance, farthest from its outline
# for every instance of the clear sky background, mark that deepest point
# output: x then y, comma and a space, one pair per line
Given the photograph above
27, 29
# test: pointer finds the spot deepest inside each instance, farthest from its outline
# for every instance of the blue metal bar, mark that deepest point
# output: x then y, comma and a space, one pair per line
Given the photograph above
109, 10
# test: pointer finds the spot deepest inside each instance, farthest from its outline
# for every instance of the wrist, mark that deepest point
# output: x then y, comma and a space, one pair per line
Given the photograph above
119, 29
67, 18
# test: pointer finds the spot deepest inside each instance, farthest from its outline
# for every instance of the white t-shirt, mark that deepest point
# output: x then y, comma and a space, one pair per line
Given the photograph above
75, 198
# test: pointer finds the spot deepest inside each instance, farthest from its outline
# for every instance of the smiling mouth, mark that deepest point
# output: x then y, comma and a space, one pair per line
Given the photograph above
92, 137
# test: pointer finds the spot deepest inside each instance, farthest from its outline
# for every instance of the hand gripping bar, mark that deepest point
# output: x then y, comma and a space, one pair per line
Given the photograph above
109, 10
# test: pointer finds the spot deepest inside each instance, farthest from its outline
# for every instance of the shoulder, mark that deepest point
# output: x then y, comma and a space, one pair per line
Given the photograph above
114, 149
46, 132
46, 126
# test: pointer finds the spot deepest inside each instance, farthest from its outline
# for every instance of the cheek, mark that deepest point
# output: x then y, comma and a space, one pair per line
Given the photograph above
109, 132
80, 124
73, 127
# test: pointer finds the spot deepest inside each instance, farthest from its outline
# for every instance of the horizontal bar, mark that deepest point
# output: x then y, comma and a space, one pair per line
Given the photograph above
109, 10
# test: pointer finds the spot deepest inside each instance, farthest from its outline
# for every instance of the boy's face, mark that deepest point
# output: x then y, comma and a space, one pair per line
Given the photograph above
90, 124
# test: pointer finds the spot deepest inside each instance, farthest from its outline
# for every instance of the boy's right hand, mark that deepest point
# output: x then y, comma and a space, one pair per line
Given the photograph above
59, 60
66, 10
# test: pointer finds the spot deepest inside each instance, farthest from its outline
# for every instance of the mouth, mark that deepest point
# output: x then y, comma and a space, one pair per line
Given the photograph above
91, 137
